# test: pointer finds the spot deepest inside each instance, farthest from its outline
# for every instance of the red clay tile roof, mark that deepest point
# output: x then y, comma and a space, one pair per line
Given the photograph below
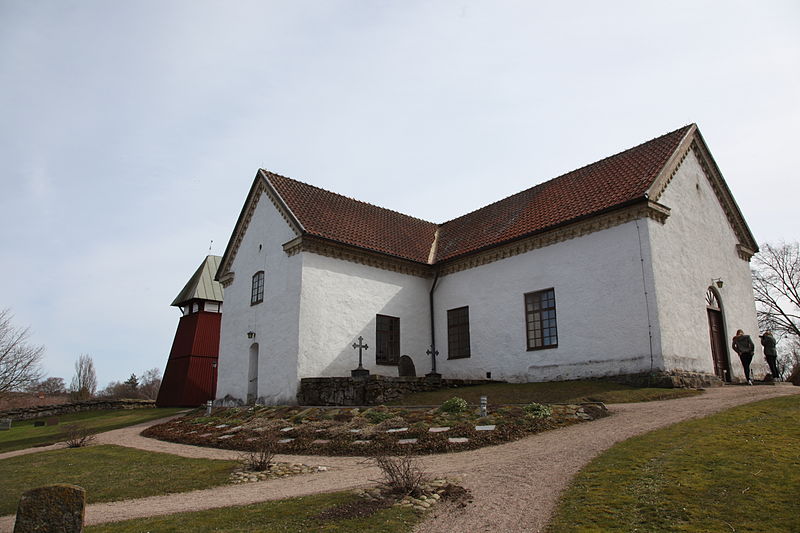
595, 188
589, 190
342, 219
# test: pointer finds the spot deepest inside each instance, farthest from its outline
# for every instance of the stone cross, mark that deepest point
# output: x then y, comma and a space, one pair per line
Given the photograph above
433, 352
360, 371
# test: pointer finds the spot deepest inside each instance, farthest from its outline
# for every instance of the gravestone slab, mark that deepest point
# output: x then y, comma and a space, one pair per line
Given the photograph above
320, 441
52, 421
396, 430
439, 430
285, 441
51, 508
406, 441
5, 424
458, 440
405, 367
38, 423
485, 428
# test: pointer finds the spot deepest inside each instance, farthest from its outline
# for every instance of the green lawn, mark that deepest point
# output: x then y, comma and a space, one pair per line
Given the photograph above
24, 434
548, 392
108, 473
286, 516
735, 471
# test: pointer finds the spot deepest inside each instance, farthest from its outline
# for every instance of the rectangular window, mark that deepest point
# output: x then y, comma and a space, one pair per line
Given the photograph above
387, 338
257, 292
458, 333
540, 319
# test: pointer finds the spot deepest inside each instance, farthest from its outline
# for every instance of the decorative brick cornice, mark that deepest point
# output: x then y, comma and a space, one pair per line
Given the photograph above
319, 246
645, 209
745, 252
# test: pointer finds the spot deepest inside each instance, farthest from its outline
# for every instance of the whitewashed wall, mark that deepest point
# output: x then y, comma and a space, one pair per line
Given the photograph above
275, 320
600, 309
694, 246
339, 302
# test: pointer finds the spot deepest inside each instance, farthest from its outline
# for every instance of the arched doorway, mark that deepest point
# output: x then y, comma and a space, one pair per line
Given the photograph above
252, 375
716, 330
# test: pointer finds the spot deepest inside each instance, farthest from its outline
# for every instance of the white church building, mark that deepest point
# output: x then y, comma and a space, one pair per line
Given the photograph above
635, 264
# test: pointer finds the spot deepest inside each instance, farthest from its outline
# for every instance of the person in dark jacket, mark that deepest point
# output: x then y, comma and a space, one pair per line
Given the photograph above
743, 345
770, 353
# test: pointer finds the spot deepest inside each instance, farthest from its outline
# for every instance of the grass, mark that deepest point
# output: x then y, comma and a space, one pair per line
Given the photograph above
24, 434
285, 516
735, 471
108, 473
547, 392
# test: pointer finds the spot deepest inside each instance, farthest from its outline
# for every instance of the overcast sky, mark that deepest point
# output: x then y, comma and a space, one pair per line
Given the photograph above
130, 131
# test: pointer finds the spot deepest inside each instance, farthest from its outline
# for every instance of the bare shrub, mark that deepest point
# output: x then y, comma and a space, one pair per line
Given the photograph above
259, 458
78, 436
401, 475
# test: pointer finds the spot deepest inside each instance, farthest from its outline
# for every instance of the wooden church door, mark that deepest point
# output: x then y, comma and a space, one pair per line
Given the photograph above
719, 351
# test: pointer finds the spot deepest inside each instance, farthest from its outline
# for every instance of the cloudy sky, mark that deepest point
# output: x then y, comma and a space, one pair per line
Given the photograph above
131, 131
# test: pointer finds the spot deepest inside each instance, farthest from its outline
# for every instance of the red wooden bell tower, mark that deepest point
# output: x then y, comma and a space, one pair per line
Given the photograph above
190, 378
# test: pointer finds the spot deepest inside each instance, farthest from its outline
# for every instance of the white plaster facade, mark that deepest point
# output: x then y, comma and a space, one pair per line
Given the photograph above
694, 246
630, 297
274, 321
600, 309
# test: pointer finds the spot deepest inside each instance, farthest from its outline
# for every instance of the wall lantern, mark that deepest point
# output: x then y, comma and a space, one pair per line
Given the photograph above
251, 334
718, 281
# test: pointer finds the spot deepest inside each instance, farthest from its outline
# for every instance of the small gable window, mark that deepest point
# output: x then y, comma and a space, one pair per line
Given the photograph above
458, 333
257, 292
540, 319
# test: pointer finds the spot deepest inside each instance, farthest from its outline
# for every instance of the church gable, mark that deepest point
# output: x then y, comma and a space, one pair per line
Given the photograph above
693, 143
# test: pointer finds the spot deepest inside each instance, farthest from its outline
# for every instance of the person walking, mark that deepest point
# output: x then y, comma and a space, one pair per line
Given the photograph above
743, 345
770, 353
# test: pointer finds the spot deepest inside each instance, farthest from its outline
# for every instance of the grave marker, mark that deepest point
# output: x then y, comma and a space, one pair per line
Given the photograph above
51, 508
5, 424
405, 367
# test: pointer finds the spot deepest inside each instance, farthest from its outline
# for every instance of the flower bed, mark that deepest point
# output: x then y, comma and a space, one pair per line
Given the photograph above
364, 431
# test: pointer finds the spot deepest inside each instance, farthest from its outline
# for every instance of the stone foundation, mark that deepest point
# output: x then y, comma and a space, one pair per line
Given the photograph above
40, 411
373, 390
668, 380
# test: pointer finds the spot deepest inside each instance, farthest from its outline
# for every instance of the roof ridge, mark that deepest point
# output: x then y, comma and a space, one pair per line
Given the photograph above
270, 173
538, 185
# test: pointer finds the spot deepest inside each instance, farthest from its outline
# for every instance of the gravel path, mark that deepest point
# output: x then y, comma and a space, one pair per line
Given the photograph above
515, 486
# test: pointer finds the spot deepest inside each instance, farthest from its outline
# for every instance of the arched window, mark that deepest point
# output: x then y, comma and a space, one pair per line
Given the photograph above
711, 299
257, 292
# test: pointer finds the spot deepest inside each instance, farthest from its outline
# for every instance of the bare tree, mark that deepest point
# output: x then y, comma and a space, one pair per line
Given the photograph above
49, 386
149, 384
19, 360
776, 284
84, 382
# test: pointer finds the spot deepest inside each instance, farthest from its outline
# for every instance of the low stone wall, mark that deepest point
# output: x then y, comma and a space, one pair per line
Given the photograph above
667, 380
28, 413
372, 390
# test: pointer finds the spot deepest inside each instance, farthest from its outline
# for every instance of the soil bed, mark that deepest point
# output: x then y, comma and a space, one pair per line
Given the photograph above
363, 431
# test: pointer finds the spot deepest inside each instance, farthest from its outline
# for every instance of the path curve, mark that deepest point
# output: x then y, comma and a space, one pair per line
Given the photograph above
516, 486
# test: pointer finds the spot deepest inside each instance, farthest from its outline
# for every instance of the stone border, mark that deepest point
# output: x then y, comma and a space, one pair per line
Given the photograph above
28, 413
372, 390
